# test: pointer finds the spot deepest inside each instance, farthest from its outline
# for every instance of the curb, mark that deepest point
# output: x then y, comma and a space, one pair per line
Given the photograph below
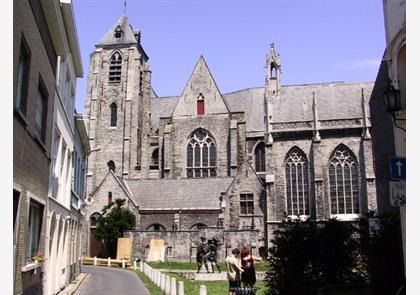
81, 277
72, 287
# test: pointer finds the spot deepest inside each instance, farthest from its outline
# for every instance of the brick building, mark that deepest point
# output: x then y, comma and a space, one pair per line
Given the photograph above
224, 165
46, 64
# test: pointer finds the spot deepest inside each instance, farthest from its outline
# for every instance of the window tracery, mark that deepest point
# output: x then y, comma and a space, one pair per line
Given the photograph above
297, 183
343, 182
201, 155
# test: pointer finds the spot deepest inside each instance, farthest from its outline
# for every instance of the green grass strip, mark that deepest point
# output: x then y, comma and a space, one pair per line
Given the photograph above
213, 287
259, 266
153, 289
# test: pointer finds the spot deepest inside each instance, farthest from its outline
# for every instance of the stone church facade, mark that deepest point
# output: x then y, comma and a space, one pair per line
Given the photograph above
227, 165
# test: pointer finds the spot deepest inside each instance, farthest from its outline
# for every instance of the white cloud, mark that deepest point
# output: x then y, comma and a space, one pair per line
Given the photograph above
359, 64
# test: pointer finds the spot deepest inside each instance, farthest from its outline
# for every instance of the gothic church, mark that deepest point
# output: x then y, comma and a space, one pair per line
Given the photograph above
226, 165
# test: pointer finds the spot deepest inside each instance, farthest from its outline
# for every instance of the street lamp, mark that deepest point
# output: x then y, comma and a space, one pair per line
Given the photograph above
392, 98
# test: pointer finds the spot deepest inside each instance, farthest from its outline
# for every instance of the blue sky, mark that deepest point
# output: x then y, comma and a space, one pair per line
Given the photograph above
318, 41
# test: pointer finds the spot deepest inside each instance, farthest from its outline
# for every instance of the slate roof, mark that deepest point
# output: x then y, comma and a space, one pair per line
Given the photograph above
184, 193
334, 101
250, 101
127, 36
161, 107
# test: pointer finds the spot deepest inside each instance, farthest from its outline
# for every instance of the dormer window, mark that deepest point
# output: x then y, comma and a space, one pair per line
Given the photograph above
200, 104
118, 32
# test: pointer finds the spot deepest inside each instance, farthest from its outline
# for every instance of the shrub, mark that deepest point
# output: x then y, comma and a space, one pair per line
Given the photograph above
308, 255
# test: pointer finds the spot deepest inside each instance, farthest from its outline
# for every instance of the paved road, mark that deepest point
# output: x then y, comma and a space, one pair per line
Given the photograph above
110, 281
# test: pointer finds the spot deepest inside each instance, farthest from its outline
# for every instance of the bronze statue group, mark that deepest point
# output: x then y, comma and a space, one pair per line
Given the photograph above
240, 266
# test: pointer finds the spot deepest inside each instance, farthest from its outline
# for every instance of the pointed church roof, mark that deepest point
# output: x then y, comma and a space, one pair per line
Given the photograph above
201, 81
127, 34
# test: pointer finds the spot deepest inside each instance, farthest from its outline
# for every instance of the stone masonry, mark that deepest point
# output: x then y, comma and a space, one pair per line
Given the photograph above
171, 189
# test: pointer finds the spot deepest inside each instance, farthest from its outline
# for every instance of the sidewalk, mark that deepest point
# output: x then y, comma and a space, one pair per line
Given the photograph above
72, 287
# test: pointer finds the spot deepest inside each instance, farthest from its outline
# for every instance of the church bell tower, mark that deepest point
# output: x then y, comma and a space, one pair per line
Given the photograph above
117, 105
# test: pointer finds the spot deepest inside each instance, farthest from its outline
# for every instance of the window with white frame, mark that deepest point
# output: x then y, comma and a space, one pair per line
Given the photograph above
34, 229
343, 182
247, 204
297, 183
201, 155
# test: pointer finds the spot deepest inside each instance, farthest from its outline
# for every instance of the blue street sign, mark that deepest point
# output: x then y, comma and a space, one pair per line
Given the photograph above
397, 168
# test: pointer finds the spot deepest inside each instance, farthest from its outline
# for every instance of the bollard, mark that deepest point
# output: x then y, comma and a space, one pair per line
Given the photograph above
95, 260
141, 266
155, 276
203, 290
158, 275
135, 264
123, 263
109, 261
173, 286
167, 285
180, 288
162, 282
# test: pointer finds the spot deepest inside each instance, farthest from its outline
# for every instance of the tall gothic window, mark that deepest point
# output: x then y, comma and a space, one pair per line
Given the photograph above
260, 157
113, 108
115, 68
344, 188
297, 182
201, 155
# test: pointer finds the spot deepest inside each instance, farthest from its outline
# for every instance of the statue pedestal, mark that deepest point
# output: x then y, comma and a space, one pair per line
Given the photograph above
216, 276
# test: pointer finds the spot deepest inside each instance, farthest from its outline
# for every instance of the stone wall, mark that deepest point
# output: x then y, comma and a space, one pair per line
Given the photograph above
183, 243
318, 155
186, 220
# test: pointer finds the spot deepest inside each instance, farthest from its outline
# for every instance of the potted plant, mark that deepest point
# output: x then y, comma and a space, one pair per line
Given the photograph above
38, 258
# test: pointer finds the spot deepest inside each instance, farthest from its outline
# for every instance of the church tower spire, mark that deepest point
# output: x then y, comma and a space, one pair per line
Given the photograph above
272, 88
118, 105
273, 71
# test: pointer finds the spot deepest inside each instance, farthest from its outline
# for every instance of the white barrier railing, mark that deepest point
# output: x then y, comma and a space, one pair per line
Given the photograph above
168, 285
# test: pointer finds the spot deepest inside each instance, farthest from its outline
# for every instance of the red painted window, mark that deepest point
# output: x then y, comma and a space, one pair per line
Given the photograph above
200, 107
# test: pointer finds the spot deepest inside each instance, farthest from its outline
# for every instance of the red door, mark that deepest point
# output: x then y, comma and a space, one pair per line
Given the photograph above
95, 246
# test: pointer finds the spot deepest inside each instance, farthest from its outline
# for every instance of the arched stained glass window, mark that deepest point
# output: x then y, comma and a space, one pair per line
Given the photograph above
260, 157
344, 188
201, 155
115, 68
297, 182
113, 108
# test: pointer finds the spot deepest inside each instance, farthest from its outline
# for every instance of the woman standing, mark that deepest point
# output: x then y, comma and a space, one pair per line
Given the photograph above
248, 277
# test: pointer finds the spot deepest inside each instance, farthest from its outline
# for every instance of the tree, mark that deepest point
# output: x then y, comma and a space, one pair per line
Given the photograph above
307, 256
111, 225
